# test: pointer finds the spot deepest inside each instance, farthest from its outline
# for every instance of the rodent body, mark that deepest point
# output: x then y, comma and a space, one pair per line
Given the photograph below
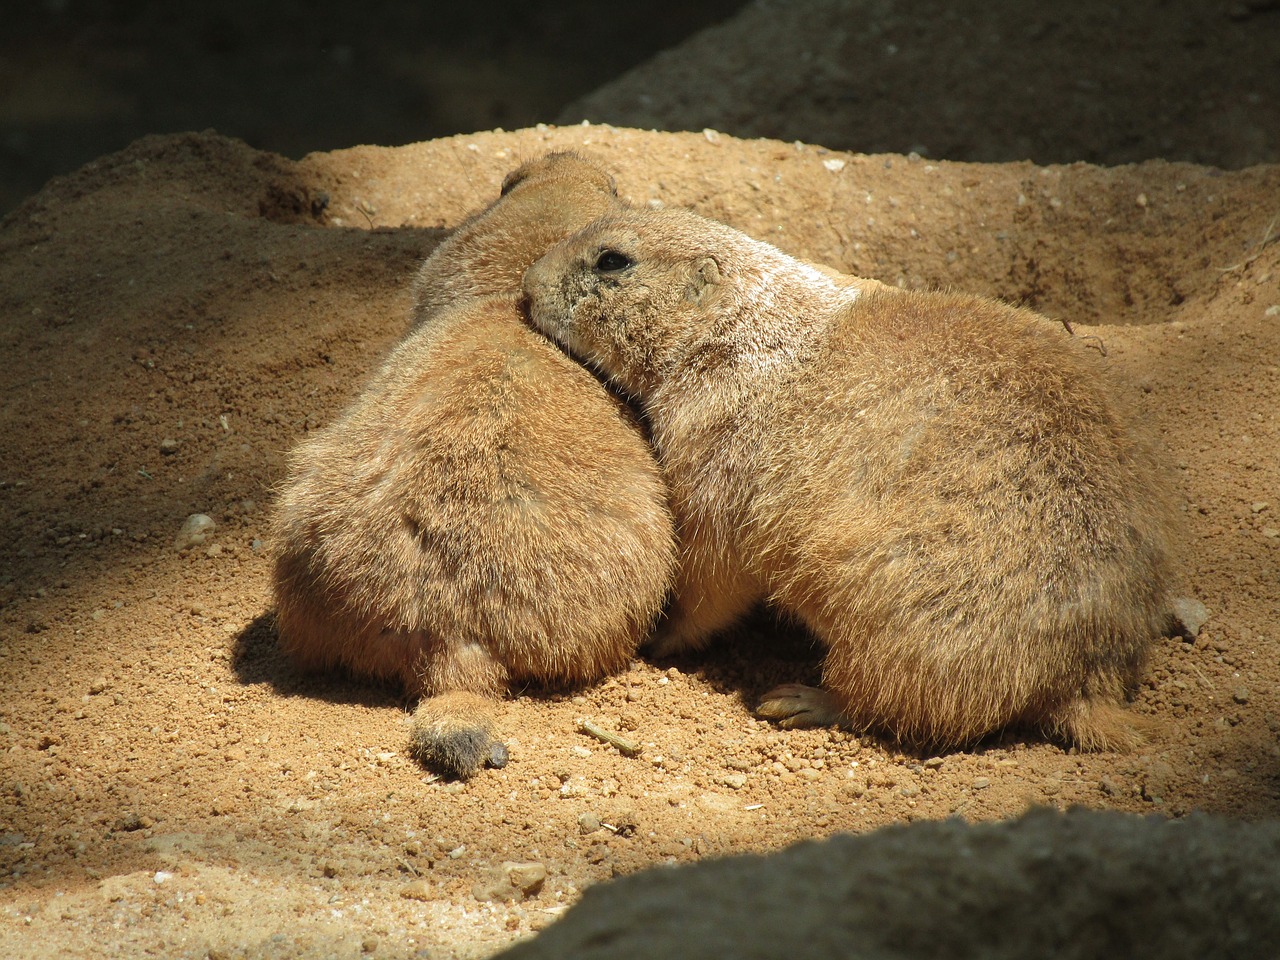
940, 486
485, 515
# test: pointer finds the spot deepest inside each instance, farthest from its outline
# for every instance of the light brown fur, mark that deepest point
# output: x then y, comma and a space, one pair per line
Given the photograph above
940, 486
485, 515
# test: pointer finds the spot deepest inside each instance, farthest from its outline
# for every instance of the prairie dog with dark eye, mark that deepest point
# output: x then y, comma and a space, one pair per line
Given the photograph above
941, 487
485, 515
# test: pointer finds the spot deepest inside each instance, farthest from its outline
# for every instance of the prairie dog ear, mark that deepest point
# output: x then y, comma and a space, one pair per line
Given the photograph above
704, 280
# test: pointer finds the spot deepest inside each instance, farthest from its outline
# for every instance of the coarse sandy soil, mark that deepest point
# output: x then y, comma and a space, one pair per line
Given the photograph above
174, 317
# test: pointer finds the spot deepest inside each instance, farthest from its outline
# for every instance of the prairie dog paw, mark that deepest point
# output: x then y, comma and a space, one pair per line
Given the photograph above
795, 705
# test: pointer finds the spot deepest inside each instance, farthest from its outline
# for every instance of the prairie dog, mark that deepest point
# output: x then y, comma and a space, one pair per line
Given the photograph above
941, 487
541, 201
485, 515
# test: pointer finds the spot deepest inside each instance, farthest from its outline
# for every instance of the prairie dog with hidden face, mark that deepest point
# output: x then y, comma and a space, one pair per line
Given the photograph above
541, 201
940, 486
485, 515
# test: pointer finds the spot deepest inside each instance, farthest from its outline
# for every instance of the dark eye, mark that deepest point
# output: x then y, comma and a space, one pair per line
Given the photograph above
611, 261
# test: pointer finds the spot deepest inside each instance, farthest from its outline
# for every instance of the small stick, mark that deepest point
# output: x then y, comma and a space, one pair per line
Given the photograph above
408, 866
1102, 347
1267, 236
1200, 674
625, 747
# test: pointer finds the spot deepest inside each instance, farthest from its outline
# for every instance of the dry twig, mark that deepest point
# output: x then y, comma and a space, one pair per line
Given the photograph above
625, 747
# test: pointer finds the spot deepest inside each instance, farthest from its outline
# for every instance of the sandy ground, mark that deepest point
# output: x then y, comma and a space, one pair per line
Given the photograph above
174, 317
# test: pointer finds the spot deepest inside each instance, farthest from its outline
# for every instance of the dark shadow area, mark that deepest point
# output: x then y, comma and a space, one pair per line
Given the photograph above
122, 505
752, 657
1003, 80
256, 658
79, 80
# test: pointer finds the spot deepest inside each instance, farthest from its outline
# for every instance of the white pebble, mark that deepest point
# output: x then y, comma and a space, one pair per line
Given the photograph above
195, 531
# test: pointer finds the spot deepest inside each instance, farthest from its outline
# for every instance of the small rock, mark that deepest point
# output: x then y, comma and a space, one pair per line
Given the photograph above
213, 551
1156, 784
1271, 533
734, 781
981, 783
195, 531
169, 446
130, 822
1260, 506
98, 685
1190, 615
835, 165
417, 890
588, 822
1109, 787
1240, 695
933, 763
511, 882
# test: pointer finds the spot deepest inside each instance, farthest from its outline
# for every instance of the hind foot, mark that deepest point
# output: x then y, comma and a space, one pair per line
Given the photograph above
1094, 725
795, 705
452, 734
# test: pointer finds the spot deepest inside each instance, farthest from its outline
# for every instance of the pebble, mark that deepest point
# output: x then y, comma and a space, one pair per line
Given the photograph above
417, 890
1241, 695
1260, 506
588, 822
1191, 614
511, 881
933, 763
981, 783
131, 822
734, 781
195, 530
98, 685
169, 446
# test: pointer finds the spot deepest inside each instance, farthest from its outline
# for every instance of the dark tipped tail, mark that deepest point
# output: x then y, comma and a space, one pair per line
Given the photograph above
452, 734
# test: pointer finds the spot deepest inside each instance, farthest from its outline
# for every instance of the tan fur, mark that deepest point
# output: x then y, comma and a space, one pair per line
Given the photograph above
485, 515
541, 201
940, 486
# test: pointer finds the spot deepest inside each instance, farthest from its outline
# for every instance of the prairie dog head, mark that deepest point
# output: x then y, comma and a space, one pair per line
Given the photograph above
651, 296
541, 201
565, 166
